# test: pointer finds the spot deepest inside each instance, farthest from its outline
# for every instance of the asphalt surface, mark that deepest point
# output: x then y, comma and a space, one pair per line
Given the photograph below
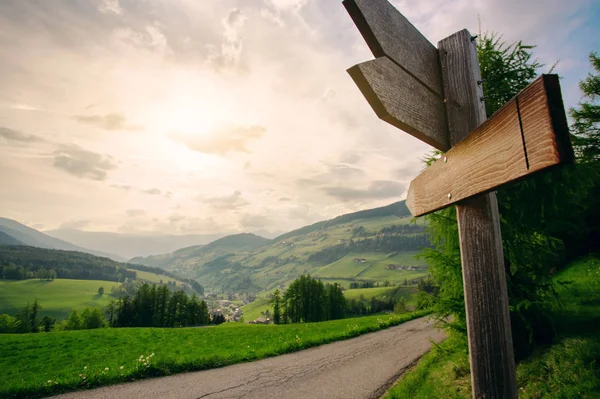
361, 368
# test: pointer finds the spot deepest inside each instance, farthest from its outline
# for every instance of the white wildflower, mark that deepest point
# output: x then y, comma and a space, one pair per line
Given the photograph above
121, 368
106, 369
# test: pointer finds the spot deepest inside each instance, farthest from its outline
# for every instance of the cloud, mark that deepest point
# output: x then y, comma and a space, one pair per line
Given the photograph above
176, 218
124, 187
221, 142
334, 173
254, 222
111, 122
82, 163
380, 189
135, 213
156, 191
75, 224
15, 135
288, 4
229, 54
228, 202
152, 191
110, 7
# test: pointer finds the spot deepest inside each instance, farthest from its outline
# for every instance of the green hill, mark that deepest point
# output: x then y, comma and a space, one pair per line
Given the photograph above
374, 245
24, 262
57, 298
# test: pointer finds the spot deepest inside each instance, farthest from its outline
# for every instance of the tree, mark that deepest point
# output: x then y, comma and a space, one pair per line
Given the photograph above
586, 141
8, 324
586, 128
92, 318
101, 291
48, 323
33, 317
276, 300
74, 321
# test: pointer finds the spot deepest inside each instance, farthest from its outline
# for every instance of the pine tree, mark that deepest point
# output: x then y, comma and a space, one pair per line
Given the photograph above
33, 317
586, 128
276, 299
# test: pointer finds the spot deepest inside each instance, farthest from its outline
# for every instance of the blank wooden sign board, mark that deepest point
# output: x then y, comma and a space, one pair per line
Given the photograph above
434, 94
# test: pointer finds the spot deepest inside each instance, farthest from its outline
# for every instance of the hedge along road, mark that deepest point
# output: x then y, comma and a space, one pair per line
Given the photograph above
361, 368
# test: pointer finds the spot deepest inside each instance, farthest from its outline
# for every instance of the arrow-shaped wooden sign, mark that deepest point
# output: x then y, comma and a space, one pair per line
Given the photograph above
528, 134
403, 85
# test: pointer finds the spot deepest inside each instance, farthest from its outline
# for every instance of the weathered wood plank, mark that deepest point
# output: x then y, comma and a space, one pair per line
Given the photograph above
401, 100
545, 149
486, 299
498, 152
388, 33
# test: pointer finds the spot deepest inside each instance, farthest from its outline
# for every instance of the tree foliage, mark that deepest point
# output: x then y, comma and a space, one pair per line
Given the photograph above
586, 128
156, 306
542, 219
309, 300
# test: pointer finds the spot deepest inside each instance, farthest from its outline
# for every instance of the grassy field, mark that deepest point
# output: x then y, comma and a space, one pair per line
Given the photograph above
57, 298
568, 369
368, 293
252, 310
154, 278
34, 365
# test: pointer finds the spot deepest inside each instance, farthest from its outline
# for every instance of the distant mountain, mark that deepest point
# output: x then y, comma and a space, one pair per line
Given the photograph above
374, 245
232, 243
131, 245
398, 209
31, 237
5, 239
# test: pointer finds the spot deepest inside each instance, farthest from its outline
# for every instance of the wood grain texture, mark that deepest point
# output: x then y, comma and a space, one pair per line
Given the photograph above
515, 142
388, 33
399, 99
486, 299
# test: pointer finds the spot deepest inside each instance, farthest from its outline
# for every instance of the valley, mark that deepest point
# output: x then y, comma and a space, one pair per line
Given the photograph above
376, 245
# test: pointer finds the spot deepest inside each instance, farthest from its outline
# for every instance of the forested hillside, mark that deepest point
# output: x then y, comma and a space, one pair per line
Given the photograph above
372, 245
18, 262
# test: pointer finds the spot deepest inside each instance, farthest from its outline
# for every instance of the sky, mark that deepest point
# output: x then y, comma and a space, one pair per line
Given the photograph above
222, 116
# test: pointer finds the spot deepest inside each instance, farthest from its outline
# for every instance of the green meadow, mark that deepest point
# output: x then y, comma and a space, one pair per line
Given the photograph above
34, 365
57, 298
570, 368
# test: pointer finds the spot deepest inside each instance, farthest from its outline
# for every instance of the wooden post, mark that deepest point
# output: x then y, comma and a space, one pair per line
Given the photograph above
486, 300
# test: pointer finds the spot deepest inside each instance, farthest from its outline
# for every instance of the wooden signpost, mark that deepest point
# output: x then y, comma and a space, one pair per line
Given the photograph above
435, 95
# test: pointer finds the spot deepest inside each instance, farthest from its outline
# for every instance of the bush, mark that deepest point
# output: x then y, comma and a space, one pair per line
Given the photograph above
8, 324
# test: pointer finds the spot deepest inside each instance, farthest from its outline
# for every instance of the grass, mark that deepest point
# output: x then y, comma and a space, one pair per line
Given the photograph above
368, 293
153, 277
35, 365
57, 298
441, 373
252, 310
568, 369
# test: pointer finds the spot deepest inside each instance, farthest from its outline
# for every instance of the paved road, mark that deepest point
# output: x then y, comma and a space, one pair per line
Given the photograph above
360, 368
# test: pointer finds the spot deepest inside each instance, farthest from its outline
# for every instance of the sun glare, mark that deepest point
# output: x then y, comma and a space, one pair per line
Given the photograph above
191, 106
